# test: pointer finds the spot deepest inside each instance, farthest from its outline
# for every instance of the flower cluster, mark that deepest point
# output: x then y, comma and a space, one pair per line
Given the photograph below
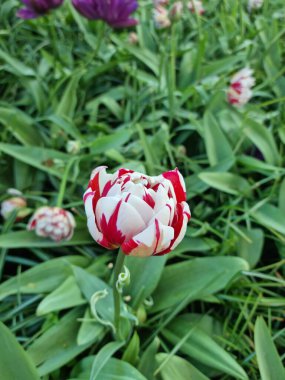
164, 14
116, 13
239, 92
141, 214
52, 222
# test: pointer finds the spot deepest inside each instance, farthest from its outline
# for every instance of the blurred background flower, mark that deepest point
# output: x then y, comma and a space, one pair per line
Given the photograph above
37, 8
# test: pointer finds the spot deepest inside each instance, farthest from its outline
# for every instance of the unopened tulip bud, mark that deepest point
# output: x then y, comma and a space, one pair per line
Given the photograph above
73, 146
254, 4
239, 92
12, 204
161, 18
52, 222
196, 7
133, 38
176, 10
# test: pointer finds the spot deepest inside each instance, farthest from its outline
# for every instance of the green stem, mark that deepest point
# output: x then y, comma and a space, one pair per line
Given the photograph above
117, 297
64, 182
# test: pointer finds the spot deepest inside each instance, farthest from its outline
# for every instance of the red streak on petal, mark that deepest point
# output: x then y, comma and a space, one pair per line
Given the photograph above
87, 195
129, 246
149, 200
173, 177
107, 187
157, 235
237, 87
110, 230
123, 171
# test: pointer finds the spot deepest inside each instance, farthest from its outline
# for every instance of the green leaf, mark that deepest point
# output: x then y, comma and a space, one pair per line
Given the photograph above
263, 139
15, 363
43, 278
114, 369
115, 140
281, 202
21, 125
16, 67
63, 297
58, 345
270, 217
217, 146
178, 368
132, 351
227, 182
193, 279
201, 347
250, 249
269, 362
147, 365
28, 239
89, 330
145, 274
102, 357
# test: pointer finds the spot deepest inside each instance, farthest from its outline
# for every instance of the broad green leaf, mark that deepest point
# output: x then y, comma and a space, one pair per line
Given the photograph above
263, 139
42, 278
90, 329
178, 368
63, 297
15, 363
227, 182
58, 345
102, 358
192, 244
28, 239
114, 369
217, 146
269, 362
145, 274
193, 279
20, 125
271, 217
115, 140
48, 160
147, 365
251, 248
201, 347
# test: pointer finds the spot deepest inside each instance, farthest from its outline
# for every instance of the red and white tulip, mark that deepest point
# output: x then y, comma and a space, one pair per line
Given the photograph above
161, 17
11, 204
52, 222
239, 92
195, 6
141, 214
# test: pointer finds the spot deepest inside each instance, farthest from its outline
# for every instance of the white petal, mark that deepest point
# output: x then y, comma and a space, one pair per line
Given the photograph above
145, 211
129, 221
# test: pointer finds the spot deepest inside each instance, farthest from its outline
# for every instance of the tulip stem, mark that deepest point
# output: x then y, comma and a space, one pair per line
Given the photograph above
117, 296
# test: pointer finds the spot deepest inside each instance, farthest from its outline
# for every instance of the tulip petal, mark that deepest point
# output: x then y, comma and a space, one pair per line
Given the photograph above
175, 177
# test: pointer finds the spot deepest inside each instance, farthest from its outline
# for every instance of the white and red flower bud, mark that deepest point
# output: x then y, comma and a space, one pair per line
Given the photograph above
195, 6
175, 12
133, 38
239, 92
73, 146
254, 4
161, 17
12, 204
141, 214
52, 222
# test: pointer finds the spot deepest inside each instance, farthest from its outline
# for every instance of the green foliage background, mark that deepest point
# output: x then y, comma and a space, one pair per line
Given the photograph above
214, 309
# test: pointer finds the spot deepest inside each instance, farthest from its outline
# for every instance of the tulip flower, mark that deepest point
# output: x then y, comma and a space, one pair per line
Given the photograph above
142, 215
116, 13
161, 17
254, 4
196, 7
52, 222
37, 8
239, 92
11, 204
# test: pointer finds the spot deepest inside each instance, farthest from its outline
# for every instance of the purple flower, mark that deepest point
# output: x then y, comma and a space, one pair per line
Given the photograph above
37, 8
115, 12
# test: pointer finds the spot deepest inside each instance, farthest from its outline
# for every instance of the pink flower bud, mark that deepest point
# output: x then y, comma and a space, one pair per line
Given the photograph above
239, 92
52, 222
196, 7
161, 18
11, 204
141, 214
